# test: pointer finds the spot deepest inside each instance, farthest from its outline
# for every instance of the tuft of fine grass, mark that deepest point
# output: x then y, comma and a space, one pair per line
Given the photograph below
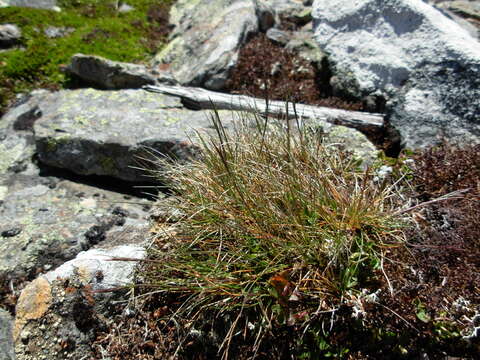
275, 220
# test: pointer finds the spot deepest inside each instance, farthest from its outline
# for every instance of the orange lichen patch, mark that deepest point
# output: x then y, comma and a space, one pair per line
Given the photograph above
33, 303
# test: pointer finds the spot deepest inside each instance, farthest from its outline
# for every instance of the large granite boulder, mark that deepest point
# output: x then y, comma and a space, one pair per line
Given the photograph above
206, 38
381, 47
115, 133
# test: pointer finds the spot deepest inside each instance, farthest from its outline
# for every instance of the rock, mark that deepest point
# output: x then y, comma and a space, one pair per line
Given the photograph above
346, 139
60, 314
17, 145
53, 32
6, 336
469, 9
95, 267
32, 304
295, 11
39, 4
46, 227
396, 38
439, 101
45, 220
470, 24
279, 36
354, 141
377, 46
124, 8
206, 38
113, 133
109, 74
303, 44
10, 35
16, 151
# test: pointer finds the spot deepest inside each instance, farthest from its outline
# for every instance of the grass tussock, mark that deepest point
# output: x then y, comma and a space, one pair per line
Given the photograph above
274, 221
284, 249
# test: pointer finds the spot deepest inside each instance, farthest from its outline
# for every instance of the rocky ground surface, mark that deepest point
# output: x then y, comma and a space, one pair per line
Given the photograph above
70, 161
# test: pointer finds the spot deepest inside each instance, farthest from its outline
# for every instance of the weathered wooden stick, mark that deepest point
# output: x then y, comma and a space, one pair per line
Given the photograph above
204, 99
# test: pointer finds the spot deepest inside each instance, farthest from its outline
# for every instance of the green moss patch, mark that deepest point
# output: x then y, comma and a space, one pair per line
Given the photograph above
90, 27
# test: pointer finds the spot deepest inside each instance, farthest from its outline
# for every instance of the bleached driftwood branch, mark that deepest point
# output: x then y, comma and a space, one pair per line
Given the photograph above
204, 99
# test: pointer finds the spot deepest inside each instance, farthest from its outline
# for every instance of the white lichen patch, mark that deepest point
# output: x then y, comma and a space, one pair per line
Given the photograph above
8, 156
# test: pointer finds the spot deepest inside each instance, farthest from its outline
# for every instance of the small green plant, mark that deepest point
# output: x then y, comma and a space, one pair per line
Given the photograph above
277, 222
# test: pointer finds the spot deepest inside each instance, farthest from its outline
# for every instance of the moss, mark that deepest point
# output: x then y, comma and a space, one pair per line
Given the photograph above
95, 27
52, 144
108, 164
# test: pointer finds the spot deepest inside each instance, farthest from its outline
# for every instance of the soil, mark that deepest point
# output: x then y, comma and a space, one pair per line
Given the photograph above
267, 70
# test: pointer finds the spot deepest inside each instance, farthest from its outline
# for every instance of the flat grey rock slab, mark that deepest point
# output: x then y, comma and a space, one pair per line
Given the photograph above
206, 38
46, 220
376, 47
113, 133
